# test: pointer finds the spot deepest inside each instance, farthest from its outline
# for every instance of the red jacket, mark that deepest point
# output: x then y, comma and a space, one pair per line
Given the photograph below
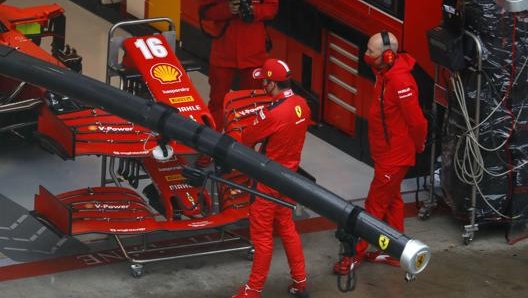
399, 132
242, 45
282, 129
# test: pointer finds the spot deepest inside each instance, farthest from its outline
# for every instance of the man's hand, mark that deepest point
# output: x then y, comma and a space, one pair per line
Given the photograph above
234, 6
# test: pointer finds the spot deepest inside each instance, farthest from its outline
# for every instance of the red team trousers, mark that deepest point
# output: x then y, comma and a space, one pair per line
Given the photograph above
263, 215
384, 200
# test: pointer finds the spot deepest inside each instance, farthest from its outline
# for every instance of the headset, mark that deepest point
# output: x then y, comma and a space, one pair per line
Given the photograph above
388, 56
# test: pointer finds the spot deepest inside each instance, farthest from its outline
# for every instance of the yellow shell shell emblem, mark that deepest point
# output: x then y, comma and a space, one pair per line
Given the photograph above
383, 242
166, 73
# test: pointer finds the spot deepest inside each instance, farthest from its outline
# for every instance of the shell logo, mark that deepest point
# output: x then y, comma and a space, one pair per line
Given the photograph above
166, 73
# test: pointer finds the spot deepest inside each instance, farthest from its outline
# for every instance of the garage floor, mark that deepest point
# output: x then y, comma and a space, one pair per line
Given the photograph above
35, 262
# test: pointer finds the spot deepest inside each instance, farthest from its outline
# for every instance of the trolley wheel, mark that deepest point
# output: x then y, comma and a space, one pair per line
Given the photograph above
136, 270
467, 240
424, 213
250, 254
409, 277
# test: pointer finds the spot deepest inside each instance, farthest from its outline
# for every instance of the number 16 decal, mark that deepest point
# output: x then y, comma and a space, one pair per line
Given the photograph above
151, 47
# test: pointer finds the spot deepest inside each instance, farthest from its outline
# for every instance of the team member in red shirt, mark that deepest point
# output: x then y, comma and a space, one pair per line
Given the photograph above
280, 129
238, 46
397, 130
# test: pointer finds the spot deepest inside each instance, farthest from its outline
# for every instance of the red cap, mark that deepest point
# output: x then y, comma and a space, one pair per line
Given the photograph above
273, 69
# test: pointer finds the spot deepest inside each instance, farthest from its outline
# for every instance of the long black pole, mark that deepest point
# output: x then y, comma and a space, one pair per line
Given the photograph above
413, 254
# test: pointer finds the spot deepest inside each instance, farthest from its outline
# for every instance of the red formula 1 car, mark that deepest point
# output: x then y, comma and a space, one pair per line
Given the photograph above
178, 196
26, 29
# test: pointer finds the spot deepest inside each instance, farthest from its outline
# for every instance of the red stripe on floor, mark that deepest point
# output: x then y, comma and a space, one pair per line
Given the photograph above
74, 262
43, 267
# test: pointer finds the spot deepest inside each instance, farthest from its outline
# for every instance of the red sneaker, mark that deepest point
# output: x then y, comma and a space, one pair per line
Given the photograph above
246, 291
347, 264
298, 289
378, 256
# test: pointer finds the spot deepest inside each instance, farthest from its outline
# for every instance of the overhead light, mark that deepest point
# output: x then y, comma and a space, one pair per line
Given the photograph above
513, 5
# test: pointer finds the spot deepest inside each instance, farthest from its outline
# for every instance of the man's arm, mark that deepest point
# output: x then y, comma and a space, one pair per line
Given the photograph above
266, 10
261, 128
413, 115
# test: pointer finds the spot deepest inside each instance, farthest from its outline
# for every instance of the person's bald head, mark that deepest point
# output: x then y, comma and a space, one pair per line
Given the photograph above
376, 47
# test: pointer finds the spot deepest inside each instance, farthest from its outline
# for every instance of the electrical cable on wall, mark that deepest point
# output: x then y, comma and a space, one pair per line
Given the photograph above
470, 167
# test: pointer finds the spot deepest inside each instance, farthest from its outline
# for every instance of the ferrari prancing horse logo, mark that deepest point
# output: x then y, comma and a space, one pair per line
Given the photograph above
420, 260
298, 111
383, 242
